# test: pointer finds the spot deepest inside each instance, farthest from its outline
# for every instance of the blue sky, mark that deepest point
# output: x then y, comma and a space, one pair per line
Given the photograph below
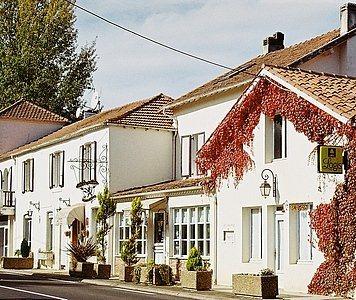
226, 31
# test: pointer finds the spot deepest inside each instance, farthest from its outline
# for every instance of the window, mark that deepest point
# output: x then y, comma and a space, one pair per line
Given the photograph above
279, 137
191, 144
88, 162
191, 229
27, 176
305, 249
255, 234
56, 169
49, 231
27, 228
124, 233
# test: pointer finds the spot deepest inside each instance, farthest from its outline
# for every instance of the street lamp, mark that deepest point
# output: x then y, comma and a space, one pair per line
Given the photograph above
265, 187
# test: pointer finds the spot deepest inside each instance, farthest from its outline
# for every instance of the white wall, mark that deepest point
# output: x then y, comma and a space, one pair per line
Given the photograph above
15, 133
139, 157
298, 182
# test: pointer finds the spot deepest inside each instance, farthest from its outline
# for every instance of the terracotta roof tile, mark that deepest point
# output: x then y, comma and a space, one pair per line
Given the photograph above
162, 186
290, 56
144, 113
25, 110
338, 93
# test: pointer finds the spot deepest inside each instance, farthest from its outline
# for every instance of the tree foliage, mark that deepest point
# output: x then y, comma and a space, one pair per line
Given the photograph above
39, 57
105, 211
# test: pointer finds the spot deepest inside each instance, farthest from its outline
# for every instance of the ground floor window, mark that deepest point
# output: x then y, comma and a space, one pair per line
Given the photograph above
123, 233
255, 234
4, 238
49, 234
27, 229
191, 228
304, 234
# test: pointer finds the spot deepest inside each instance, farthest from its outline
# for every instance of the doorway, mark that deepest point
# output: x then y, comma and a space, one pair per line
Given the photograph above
158, 238
4, 237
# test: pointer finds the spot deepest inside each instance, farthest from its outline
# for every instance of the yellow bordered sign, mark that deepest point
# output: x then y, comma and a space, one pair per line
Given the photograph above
330, 159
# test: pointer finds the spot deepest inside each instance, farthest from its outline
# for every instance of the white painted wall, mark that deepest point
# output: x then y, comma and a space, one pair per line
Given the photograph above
139, 157
15, 133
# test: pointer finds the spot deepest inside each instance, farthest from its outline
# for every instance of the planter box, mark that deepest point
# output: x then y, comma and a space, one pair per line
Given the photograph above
144, 275
83, 270
265, 287
157, 278
127, 274
103, 271
197, 280
17, 263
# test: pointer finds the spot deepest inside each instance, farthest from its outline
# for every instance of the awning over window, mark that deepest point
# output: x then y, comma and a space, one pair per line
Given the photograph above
67, 215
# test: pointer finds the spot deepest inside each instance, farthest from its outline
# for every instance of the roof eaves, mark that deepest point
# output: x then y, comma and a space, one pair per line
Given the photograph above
335, 42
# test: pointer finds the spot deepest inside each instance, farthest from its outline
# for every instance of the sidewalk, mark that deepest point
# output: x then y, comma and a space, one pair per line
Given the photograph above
218, 292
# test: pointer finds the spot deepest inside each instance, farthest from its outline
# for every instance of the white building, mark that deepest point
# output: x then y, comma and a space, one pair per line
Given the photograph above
182, 216
54, 179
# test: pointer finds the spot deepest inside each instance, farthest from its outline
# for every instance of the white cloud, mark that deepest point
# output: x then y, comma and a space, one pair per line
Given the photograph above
227, 31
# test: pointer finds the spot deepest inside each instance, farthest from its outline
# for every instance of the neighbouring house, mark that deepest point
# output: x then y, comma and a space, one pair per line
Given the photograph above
55, 178
182, 215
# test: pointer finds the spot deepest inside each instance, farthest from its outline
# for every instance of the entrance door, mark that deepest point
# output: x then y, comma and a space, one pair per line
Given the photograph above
4, 234
280, 242
159, 233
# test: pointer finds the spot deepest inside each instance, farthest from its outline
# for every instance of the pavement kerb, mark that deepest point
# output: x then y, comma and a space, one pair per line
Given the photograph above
162, 290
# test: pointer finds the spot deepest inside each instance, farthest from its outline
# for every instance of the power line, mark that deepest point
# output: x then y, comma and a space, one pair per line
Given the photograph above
152, 40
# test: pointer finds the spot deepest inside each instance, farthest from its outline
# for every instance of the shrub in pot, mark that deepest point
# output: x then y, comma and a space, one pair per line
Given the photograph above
80, 253
24, 262
128, 250
264, 284
25, 248
105, 211
196, 276
162, 275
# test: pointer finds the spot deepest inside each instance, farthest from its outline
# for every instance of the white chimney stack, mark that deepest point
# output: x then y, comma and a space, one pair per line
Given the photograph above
347, 17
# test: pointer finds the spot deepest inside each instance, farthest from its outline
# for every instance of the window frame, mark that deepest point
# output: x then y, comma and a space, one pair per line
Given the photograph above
49, 231
56, 158
251, 235
28, 175
193, 149
310, 234
124, 218
206, 223
283, 138
88, 162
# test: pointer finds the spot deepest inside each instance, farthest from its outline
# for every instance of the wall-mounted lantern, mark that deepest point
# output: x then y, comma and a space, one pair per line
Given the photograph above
65, 201
265, 187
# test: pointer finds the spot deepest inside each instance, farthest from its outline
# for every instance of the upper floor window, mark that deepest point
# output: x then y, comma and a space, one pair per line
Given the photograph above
279, 137
88, 162
191, 144
56, 161
27, 175
6, 180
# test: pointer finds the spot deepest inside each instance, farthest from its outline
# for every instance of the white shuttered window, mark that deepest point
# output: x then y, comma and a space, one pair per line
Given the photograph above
256, 234
305, 248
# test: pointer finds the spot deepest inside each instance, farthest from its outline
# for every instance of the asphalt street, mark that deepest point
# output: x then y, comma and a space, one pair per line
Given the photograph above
15, 286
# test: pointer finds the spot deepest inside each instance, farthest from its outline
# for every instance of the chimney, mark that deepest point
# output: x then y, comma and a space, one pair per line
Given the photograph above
273, 43
347, 17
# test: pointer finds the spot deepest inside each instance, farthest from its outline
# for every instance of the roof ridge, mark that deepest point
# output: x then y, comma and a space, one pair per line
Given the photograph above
310, 71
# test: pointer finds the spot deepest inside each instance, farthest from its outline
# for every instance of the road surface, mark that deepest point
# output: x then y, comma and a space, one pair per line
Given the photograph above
17, 286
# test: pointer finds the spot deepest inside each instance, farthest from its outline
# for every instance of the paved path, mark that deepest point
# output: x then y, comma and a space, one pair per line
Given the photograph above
17, 286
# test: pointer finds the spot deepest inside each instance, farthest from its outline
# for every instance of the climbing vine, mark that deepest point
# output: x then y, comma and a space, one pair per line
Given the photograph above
226, 154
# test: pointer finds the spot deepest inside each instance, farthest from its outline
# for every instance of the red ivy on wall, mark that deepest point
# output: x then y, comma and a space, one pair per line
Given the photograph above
334, 223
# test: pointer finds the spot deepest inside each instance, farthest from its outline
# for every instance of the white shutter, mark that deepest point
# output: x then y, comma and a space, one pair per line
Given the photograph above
51, 173
200, 143
256, 234
32, 175
61, 171
185, 155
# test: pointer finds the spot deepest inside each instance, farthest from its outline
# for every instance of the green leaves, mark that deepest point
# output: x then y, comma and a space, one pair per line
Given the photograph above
39, 56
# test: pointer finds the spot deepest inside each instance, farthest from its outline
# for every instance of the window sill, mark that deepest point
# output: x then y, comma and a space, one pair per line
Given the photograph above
255, 260
56, 189
138, 255
304, 262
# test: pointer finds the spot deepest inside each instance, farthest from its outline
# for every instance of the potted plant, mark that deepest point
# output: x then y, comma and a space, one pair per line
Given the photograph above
24, 262
105, 211
264, 284
162, 275
196, 276
81, 252
128, 250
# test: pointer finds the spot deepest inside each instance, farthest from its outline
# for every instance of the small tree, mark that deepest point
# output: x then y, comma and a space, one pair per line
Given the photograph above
25, 248
194, 261
105, 211
128, 251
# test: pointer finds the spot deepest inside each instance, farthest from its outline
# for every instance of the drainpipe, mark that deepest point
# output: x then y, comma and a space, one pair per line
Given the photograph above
215, 238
